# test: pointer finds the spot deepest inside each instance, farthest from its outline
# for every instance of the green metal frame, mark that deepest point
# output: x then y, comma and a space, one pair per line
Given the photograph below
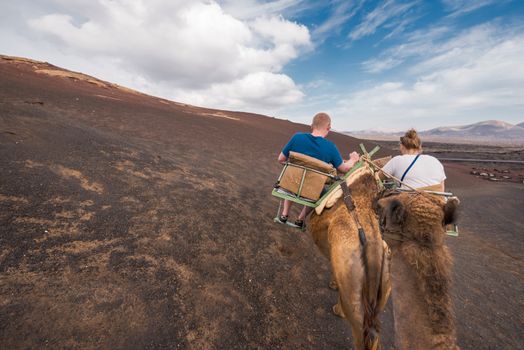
296, 197
454, 232
370, 154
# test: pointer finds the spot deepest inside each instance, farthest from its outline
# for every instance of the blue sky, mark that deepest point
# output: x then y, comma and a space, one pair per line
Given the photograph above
386, 64
395, 42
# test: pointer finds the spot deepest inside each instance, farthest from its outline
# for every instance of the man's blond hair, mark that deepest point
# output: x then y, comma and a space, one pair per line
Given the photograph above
320, 120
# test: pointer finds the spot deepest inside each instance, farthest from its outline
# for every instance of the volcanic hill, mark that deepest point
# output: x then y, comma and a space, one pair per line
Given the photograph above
132, 222
495, 132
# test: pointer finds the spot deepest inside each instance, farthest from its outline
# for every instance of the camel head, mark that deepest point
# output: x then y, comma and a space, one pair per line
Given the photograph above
415, 216
413, 224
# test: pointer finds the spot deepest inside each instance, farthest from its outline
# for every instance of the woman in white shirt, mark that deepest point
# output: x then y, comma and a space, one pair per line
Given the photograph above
414, 168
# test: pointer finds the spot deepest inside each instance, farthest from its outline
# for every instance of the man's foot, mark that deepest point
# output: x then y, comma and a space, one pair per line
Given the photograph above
281, 219
300, 224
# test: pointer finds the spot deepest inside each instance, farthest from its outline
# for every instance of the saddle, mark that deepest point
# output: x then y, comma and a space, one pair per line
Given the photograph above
337, 193
306, 176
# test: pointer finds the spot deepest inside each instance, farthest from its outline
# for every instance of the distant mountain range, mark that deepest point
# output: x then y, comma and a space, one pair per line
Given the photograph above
489, 131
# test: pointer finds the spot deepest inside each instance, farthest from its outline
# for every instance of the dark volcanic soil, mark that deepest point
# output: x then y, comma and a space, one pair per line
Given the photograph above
131, 222
489, 261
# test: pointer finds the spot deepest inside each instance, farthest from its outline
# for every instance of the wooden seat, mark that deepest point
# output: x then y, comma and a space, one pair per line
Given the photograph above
305, 176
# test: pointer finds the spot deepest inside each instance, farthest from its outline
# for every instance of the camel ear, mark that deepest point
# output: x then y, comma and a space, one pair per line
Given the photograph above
396, 212
451, 210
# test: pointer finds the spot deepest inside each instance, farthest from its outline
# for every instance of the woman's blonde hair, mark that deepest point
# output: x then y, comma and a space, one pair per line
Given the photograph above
410, 140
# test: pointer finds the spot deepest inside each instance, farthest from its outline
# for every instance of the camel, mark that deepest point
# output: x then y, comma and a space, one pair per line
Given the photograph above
360, 270
413, 226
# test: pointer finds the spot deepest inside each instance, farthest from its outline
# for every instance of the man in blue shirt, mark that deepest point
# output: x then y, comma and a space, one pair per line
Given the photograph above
315, 145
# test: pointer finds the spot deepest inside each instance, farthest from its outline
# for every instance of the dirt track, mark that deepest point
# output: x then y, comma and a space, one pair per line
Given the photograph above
131, 222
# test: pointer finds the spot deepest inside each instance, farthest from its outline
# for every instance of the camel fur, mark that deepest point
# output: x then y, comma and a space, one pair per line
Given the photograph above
361, 272
413, 225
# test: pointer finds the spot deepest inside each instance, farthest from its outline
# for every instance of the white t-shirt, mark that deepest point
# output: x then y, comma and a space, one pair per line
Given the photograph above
427, 170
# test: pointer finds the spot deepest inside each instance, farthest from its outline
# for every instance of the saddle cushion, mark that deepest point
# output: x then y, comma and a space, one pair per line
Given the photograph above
313, 182
310, 162
332, 198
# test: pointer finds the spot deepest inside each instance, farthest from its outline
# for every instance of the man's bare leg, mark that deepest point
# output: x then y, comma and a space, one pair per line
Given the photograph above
306, 210
286, 206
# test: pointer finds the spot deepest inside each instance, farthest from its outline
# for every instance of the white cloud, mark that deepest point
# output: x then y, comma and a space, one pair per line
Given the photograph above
175, 49
342, 12
438, 49
379, 65
459, 7
318, 83
382, 14
255, 91
280, 31
477, 74
250, 9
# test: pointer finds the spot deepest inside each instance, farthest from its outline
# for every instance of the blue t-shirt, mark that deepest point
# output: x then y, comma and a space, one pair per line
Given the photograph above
314, 146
